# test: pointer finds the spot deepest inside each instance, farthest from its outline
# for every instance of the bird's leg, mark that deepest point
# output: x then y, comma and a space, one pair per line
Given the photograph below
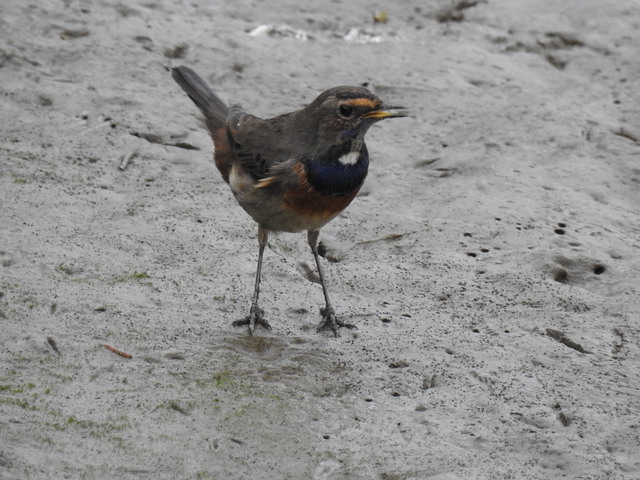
256, 314
329, 319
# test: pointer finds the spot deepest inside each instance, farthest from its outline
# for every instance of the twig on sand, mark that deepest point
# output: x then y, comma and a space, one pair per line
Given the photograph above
626, 133
126, 159
118, 351
562, 338
52, 342
386, 238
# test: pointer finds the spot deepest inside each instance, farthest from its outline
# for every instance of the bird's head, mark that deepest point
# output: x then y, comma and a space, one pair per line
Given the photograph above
346, 113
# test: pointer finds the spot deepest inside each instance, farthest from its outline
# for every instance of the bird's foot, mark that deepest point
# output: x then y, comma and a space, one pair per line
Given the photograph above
255, 318
329, 320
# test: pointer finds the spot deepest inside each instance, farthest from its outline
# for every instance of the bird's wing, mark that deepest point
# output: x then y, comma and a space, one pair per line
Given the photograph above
255, 142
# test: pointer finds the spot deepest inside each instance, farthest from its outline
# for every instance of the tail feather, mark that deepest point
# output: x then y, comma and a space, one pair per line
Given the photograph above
209, 103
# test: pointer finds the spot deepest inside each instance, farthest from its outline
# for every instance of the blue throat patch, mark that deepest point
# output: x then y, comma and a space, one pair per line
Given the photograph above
331, 177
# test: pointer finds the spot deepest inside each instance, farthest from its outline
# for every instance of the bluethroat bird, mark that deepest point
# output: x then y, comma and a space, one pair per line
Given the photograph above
292, 172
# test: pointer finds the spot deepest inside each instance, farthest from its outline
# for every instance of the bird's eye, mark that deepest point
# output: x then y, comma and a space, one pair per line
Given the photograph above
345, 110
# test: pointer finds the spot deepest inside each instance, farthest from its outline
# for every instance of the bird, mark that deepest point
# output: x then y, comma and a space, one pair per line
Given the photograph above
293, 172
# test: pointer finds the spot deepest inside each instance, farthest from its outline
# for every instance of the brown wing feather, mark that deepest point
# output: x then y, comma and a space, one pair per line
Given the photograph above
258, 145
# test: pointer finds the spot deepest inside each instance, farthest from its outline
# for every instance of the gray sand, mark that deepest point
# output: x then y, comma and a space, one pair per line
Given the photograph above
490, 263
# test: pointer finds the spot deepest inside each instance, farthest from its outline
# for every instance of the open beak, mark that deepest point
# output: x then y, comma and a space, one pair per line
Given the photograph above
386, 112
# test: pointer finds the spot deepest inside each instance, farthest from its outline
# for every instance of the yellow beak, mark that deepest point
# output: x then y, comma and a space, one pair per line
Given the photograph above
381, 114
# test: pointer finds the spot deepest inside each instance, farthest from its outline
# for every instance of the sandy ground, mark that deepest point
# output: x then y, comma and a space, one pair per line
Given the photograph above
491, 262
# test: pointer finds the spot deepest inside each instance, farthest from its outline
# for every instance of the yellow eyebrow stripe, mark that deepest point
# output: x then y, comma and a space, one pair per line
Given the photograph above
363, 102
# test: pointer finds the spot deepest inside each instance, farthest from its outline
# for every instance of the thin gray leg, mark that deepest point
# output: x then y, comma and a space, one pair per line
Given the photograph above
329, 319
256, 314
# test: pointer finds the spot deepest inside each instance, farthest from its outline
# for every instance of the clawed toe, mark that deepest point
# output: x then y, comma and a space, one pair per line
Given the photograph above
255, 318
329, 320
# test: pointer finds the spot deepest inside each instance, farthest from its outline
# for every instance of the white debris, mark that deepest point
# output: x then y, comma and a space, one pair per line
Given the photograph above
361, 36
280, 31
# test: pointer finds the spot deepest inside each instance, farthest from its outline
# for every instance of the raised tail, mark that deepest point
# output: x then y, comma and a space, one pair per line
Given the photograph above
208, 102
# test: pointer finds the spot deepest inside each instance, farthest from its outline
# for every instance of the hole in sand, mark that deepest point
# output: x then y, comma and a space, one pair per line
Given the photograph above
559, 231
599, 269
560, 275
